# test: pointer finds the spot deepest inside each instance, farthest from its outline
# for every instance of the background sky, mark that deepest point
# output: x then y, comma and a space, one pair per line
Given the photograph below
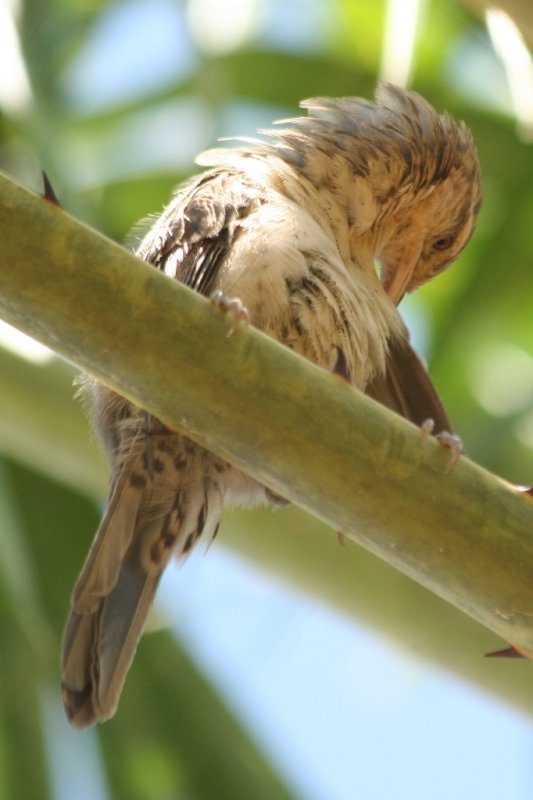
344, 714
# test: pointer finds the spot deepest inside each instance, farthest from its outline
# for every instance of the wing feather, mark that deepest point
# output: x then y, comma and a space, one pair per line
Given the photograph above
407, 388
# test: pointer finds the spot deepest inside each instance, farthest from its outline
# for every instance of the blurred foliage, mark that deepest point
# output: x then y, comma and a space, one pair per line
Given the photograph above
114, 144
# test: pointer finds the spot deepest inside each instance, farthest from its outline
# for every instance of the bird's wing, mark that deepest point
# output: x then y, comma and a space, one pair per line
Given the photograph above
191, 239
407, 388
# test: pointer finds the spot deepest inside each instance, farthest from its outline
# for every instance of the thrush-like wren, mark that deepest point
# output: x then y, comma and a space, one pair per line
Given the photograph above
292, 225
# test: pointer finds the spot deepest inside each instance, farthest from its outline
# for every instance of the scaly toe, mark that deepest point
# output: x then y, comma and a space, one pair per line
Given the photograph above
454, 443
232, 306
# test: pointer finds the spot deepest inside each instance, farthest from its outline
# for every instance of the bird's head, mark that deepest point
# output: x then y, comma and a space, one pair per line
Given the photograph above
440, 196
406, 177
428, 234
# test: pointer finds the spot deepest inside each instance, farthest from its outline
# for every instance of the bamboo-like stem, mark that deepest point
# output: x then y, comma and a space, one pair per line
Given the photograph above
461, 532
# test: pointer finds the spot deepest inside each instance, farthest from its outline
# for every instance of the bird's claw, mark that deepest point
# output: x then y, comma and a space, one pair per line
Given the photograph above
427, 428
232, 306
454, 444
449, 440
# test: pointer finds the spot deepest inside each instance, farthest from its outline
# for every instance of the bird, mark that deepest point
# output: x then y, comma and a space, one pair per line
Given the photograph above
313, 231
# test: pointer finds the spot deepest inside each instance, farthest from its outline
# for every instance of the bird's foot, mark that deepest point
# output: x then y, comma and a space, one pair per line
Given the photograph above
449, 440
234, 307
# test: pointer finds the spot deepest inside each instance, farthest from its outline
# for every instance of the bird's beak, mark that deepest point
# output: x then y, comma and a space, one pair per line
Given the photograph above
398, 277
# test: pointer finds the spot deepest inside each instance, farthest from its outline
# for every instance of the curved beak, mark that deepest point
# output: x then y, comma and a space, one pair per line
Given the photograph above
398, 276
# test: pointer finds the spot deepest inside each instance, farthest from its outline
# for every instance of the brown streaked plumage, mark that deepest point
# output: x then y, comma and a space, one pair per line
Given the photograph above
291, 226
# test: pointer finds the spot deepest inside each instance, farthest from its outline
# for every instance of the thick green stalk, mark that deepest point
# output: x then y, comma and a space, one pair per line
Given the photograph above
463, 533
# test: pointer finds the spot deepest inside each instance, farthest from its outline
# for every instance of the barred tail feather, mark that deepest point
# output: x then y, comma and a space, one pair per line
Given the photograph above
162, 500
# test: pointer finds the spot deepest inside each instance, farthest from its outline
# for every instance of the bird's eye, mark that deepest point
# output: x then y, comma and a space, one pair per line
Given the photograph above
444, 242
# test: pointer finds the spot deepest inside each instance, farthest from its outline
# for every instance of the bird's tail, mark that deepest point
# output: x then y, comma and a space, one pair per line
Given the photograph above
164, 494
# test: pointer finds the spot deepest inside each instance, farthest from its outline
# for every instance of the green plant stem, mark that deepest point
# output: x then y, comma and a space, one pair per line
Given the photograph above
461, 532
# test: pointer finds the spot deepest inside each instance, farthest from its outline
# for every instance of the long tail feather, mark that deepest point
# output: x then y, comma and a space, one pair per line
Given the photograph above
162, 499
